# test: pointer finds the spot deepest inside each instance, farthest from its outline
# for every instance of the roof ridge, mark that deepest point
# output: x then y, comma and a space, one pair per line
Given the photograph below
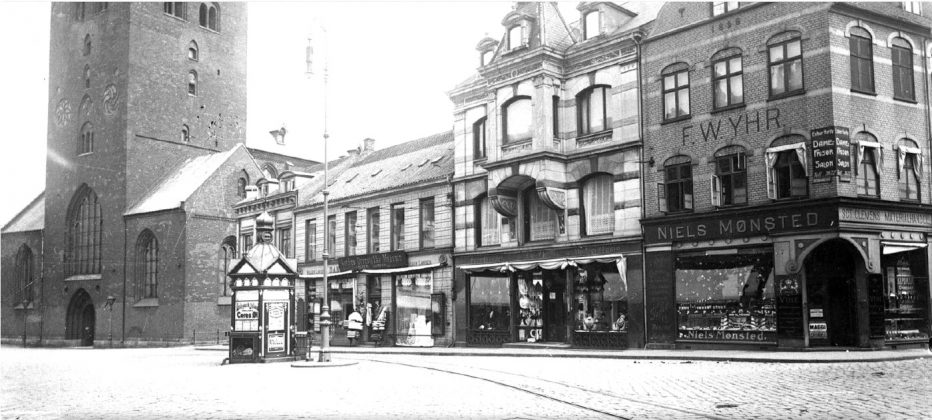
20, 213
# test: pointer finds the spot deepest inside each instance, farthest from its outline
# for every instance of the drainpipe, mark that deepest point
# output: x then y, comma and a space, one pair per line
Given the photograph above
637, 43
925, 68
123, 303
42, 287
452, 261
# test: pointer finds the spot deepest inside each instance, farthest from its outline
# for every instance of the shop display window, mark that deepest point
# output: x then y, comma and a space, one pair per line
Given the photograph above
412, 302
726, 298
246, 313
905, 301
530, 306
489, 303
601, 299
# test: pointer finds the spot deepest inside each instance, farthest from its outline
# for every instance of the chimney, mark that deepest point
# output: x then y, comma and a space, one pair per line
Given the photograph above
252, 192
369, 145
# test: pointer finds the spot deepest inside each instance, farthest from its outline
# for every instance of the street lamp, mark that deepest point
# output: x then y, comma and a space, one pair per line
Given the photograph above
25, 316
109, 307
324, 355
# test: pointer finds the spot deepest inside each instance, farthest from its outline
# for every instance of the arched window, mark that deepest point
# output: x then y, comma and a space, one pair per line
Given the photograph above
787, 168
147, 266
868, 164
209, 16
478, 138
185, 133
862, 60
591, 105
597, 200
675, 87
269, 170
226, 260
902, 57
87, 44
727, 78
909, 167
86, 139
516, 119
540, 221
82, 247
175, 9
192, 51
593, 24
515, 37
730, 181
87, 76
676, 194
241, 187
785, 64
25, 275
486, 57
202, 15
486, 222
192, 83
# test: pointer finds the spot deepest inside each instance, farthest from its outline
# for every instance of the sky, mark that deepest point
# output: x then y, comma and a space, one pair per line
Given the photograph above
390, 65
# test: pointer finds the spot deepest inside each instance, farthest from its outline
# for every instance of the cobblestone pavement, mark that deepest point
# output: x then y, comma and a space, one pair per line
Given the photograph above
184, 383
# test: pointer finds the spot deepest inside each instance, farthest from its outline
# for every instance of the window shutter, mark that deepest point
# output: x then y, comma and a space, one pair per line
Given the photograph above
771, 158
716, 188
661, 197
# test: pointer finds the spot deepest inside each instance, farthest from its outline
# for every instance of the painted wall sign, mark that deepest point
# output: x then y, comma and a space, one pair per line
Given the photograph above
394, 259
760, 222
732, 126
831, 152
728, 336
885, 217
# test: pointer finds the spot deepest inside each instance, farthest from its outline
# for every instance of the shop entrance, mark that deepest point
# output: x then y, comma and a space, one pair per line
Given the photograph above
541, 306
81, 318
830, 285
554, 308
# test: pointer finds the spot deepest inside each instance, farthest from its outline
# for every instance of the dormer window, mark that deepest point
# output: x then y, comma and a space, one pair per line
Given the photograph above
515, 37
592, 24
719, 7
913, 7
486, 57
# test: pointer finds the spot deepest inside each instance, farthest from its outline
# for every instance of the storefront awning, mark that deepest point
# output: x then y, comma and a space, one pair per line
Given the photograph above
552, 264
897, 247
410, 269
329, 275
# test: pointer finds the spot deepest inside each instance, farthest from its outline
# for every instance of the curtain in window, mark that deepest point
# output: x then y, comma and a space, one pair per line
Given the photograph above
878, 154
598, 204
489, 223
901, 155
771, 156
542, 218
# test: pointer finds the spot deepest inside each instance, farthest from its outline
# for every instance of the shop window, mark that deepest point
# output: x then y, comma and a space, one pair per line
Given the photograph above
86, 139
787, 171
727, 81
330, 249
489, 304
601, 299
82, 246
719, 7
730, 180
592, 24
902, 57
193, 51
785, 63
598, 205
909, 169
906, 290
349, 225
675, 90
246, 240
591, 107
412, 301
862, 60
284, 241
226, 260
398, 227
486, 223
87, 45
516, 119
147, 266
515, 37
427, 223
913, 7
479, 138
25, 275
175, 9
868, 175
539, 220
310, 240
192, 83
676, 193
726, 299
372, 222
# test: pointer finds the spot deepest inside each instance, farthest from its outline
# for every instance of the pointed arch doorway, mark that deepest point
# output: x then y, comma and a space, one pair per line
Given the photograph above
81, 318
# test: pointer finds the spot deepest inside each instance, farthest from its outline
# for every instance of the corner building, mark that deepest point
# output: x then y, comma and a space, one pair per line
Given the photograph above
547, 181
787, 177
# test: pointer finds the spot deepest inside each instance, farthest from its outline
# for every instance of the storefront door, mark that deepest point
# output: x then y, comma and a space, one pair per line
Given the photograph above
830, 286
554, 307
341, 306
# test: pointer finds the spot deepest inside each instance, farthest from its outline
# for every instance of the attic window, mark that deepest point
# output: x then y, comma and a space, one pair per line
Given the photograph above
515, 37
437, 160
423, 163
486, 57
377, 172
406, 167
352, 178
592, 22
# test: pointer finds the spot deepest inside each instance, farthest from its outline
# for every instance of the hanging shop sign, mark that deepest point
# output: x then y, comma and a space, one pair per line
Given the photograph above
831, 153
759, 222
383, 260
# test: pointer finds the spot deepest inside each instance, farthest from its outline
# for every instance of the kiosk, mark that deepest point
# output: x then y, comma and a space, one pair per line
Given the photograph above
263, 319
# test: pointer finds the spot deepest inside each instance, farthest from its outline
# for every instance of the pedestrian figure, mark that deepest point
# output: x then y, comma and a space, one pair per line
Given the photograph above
353, 327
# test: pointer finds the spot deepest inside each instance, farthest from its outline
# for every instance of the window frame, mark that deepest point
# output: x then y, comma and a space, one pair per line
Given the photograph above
674, 72
726, 6
427, 226
350, 233
506, 138
86, 139
684, 201
147, 266
585, 20
83, 243
283, 239
530, 214
511, 34
310, 240
791, 168
373, 230
913, 165
868, 174
856, 59
899, 71
88, 45
914, 7
208, 16
227, 256
737, 170
25, 271
246, 239
584, 208
727, 78
192, 83
397, 228
330, 236
787, 63
584, 109
185, 133
482, 207
194, 51
479, 139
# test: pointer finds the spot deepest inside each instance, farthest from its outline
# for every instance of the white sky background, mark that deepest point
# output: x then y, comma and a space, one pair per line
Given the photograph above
391, 64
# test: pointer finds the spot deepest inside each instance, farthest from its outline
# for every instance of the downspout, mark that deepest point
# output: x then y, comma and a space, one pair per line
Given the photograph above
42, 287
123, 303
925, 68
452, 261
637, 38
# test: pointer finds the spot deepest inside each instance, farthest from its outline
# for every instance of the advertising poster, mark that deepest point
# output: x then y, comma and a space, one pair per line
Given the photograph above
276, 342
246, 316
276, 315
831, 153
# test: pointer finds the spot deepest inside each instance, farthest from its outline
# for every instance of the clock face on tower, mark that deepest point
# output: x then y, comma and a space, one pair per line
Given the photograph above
63, 113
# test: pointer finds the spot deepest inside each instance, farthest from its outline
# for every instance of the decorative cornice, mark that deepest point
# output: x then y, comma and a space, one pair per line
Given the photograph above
275, 202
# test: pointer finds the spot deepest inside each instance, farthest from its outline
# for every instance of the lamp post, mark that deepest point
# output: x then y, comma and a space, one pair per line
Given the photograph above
109, 306
25, 316
324, 355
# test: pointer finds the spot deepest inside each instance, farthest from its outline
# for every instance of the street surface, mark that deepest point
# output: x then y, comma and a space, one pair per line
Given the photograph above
40, 383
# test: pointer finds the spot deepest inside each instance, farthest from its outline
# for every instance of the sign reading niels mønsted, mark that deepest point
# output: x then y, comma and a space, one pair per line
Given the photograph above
760, 222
